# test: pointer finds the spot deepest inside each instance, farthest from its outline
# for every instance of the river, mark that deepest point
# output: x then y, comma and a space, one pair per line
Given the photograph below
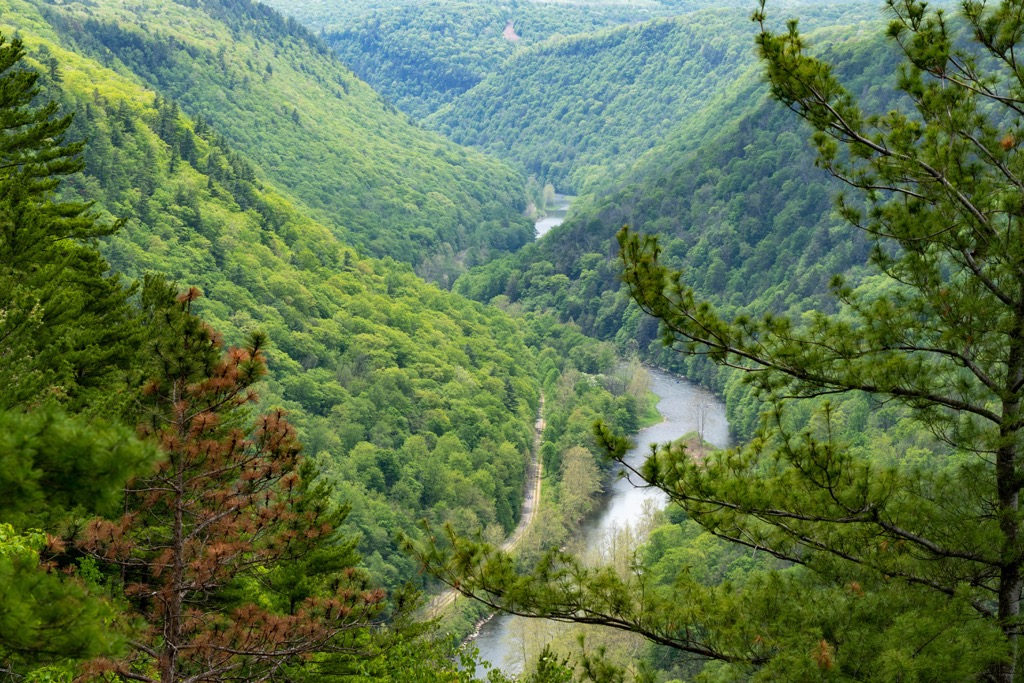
685, 407
554, 214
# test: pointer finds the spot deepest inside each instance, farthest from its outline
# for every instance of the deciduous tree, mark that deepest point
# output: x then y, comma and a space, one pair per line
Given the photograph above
895, 571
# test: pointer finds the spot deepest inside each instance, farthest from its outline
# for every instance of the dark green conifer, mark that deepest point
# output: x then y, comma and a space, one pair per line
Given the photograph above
893, 571
55, 471
65, 339
65, 325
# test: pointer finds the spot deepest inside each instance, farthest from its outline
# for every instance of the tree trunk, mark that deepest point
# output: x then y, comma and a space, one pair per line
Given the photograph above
1008, 487
173, 598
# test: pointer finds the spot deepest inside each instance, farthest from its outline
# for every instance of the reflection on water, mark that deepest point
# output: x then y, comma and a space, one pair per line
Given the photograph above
555, 214
685, 407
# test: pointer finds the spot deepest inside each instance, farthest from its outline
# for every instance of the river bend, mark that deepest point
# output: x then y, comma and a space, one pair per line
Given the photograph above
685, 408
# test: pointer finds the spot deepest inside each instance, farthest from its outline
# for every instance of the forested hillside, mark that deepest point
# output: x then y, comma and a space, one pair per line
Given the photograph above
576, 110
279, 96
397, 379
152, 526
228, 397
735, 199
422, 56
737, 204
328, 16
875, 336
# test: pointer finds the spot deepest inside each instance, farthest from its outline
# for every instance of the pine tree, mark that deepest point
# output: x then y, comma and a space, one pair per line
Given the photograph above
65, 326
205, 542
66, 339
56, 470
895, 571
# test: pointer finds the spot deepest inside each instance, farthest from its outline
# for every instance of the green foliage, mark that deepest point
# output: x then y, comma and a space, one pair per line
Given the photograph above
575, 471
579, 111
327, 16
572, 110
903, 557
410, 401
46, 618
53, 465
736, 204
65, 337
64, 323
412, 660
423, 56
277, 95
413, 401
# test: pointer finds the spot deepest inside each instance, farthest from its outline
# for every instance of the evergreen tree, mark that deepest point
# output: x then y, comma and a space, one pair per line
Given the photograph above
904, 571
55, 471
205, 541
65, 326
65, 338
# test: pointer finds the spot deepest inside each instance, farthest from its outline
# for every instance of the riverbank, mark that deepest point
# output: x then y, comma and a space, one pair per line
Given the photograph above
684, 408
648, 412
554, 215
527, 515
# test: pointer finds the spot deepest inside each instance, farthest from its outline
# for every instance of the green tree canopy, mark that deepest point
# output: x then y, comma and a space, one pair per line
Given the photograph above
64, 324
902, 570
65, 337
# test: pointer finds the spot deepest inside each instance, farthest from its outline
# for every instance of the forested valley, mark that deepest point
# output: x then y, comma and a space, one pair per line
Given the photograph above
290, 390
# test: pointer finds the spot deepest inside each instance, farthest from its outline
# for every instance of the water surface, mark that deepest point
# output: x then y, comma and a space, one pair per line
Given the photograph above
686, 408
555, 214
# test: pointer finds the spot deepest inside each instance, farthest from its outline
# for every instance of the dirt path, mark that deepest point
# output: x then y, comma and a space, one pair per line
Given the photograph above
528, 513
531, 501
